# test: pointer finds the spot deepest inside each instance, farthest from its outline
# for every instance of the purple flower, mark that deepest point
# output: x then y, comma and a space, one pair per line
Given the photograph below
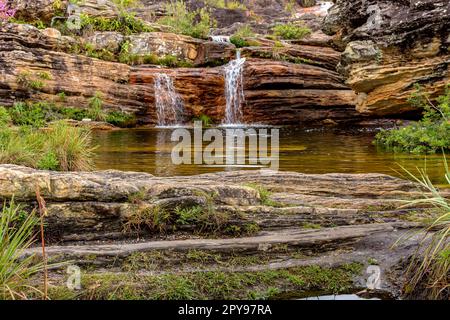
5, 11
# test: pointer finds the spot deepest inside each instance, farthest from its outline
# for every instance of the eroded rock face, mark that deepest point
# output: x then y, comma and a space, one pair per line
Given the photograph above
96, 205
43, 10
295, 92
389, 46
186, 48
300, 92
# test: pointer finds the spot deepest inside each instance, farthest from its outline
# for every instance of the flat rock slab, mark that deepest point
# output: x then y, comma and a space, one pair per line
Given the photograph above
290, 237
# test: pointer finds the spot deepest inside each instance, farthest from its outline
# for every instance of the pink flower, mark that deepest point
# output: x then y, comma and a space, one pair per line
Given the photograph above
6, 12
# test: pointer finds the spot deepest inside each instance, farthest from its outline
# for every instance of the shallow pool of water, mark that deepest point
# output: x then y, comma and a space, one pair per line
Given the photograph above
301, 150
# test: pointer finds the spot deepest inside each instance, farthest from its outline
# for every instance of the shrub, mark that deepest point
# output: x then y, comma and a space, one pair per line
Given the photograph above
205, 119
61, 147
428, 135
95, 111
429, 269
5, 118
238, 38
230, 4
195, 24
291, 31
33, 114
125, 23
72, 147
121, 119
17, 231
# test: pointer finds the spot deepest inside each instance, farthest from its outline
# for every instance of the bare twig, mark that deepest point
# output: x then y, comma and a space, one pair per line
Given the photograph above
43, 213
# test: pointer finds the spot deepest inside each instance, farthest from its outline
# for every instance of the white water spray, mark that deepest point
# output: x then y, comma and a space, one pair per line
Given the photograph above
234, 90
220, 39
169, 104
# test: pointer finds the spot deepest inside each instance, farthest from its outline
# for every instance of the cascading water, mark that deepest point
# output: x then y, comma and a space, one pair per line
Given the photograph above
169, 104
234, 90
221, 39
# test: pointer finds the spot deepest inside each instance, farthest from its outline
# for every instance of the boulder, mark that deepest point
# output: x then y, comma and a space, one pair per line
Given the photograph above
186, 48
110, 41
307, 3
389, 47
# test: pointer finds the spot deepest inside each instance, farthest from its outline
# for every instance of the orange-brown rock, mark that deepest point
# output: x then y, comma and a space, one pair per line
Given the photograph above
276, 92
199, 52
324, 57
390, 46
35, 66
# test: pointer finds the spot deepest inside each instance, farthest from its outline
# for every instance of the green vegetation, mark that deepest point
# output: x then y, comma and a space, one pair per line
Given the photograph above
5, 118
61, 147
291, 31
264, 195
203, 219
121, 119
230, 4
212, 284
33, 81
152, 217
39, 114
95, 110
428, 135
206, 120
195, 24
125, 23
429, 269
239, 37
17, 230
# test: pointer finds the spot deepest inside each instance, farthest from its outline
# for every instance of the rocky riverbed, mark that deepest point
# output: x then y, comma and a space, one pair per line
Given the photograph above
115, 223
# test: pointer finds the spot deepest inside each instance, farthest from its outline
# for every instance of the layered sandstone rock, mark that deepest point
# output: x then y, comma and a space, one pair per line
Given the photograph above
389, 46
96, 205
197, 51
275, 92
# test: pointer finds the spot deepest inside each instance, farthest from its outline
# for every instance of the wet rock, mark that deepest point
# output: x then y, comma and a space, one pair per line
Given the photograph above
299, 92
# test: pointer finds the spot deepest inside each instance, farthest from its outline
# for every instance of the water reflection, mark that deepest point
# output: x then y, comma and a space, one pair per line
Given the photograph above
316, 151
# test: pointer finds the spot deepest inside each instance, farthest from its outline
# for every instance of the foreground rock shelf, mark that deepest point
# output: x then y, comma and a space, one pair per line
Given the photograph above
324, 221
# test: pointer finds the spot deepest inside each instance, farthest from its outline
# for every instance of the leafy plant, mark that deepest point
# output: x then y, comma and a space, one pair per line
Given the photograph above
5, 118
95, 111
429, 269
17, 233
239, 37
121, 119
428, 135
192, 23
33, 114
188, 215
205, 119
61, 147
125, 23
291, 31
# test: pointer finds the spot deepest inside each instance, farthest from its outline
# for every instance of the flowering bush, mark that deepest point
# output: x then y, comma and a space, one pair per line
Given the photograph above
5, 11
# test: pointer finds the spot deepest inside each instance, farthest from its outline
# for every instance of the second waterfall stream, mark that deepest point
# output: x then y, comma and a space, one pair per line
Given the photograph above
234, 90
169, 104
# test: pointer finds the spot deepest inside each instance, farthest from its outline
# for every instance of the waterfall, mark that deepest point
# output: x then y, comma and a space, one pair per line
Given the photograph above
220, 39
234, 90
169, 104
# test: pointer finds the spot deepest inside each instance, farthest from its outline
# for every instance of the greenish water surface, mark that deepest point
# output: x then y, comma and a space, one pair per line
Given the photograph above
301, 150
